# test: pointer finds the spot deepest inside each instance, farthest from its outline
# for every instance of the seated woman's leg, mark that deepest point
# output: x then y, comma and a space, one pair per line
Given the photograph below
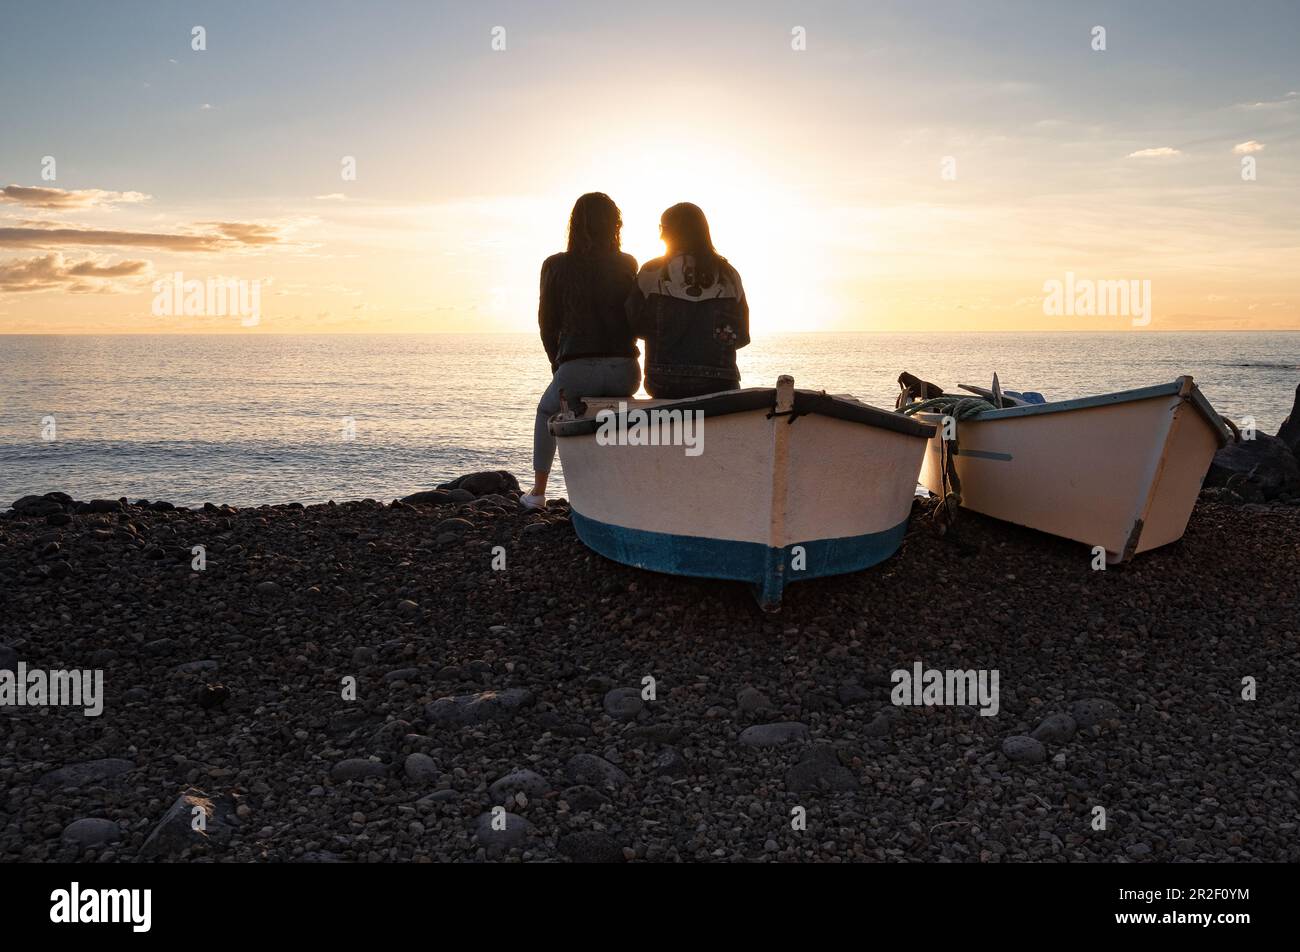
595, 377
543, 441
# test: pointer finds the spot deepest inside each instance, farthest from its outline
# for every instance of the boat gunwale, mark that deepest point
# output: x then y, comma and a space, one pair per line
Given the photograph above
1195, 396
746, 400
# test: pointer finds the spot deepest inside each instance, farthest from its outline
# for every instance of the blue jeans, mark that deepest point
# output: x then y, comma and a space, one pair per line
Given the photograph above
586, 377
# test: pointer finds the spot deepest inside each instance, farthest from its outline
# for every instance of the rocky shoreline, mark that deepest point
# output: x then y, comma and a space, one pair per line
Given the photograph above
498, 663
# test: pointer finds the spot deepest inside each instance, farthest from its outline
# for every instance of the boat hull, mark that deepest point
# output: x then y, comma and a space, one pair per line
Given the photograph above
769, 500
752, 562
1121, 471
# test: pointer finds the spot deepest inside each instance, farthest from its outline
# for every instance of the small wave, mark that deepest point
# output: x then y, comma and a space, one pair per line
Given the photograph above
1263, 365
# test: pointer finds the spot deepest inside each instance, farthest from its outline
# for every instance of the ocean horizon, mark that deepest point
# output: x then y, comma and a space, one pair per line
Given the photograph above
270, 419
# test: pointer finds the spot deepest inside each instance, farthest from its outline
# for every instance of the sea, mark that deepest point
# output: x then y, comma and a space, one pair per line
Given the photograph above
254, 419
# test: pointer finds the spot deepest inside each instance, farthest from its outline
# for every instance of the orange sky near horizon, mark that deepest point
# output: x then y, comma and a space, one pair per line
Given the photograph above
887, 177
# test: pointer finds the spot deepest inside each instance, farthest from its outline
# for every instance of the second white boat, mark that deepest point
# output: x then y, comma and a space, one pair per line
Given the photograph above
1119, 470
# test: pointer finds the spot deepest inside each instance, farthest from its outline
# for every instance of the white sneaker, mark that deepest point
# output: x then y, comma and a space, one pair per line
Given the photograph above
529, 501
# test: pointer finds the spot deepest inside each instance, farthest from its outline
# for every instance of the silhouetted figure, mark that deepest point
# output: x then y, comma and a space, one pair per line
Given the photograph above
583, 324
690, 308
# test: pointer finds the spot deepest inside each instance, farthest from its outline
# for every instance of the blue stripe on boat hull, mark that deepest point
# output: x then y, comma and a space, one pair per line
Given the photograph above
767, 568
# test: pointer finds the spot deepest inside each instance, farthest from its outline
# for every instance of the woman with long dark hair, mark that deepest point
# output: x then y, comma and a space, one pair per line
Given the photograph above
690, 308
584, 327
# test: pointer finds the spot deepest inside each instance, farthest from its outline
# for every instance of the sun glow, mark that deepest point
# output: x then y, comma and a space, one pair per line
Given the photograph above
763, 228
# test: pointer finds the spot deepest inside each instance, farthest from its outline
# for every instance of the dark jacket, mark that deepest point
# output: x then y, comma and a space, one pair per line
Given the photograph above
691, 328
580, 308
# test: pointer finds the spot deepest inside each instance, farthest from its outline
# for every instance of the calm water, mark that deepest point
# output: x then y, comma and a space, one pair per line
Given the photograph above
250, 420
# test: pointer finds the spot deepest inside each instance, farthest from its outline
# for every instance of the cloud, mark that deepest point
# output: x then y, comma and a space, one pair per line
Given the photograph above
332, 197
36, 197
206, 106
1246, 148
248, 233
1154, 153
228, 236
1289, 99
52, 272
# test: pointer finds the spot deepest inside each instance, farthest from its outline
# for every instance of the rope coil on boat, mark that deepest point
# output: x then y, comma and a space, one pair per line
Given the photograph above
959, 408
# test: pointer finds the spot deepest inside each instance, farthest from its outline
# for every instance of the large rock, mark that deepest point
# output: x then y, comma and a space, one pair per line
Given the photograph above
1094, 711
774, 735
477, 708
513, 833
356, 769
582, 798
594, 771
36, 506
430, 497
624, 704
484, 484
669, 762
1024, 749
528, 782
752, 700
195, 819
91, 831
1290, 432
1265, 464
421, 768
90, 772
1054, 729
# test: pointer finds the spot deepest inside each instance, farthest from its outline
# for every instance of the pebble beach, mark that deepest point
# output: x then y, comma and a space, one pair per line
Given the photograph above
501, 708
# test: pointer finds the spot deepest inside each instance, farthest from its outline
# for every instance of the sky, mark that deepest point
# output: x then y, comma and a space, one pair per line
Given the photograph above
866, 166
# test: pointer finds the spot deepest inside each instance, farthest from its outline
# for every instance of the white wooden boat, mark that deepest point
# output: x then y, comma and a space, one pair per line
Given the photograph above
1120, 470
788, 485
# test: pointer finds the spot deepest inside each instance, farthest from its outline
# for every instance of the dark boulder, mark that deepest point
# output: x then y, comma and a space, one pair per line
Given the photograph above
583, 798
194, 820
499, 832
36, 506
430, 497
478, 708
485, 483
1264, 464
91, 772
1290, 432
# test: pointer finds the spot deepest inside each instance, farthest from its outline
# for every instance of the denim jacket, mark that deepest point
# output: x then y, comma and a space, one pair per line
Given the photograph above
692, 328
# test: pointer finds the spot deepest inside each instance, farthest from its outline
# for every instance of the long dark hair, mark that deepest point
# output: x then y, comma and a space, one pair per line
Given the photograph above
686, 232
595, 225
